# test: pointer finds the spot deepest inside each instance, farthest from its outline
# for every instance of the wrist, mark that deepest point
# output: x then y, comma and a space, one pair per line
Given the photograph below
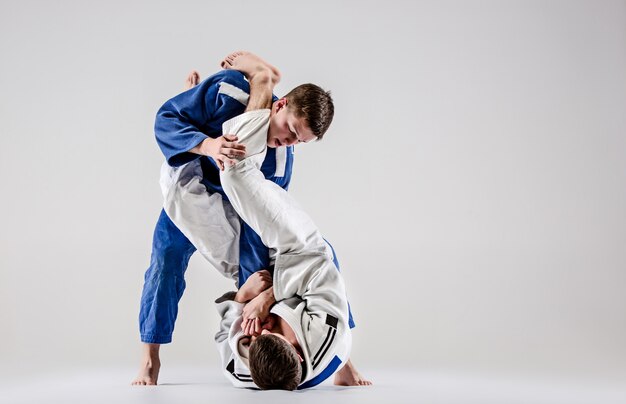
269, 295
241, 297
202, 148
205, 146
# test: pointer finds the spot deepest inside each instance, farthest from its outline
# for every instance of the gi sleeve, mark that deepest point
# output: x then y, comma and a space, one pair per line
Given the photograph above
315, 279
186, 120
232, 367
229, 311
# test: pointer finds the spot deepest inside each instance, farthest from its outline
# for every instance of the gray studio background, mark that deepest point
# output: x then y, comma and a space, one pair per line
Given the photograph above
472, 183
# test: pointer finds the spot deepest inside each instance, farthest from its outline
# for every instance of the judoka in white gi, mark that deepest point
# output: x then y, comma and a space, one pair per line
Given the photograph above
312, 308
309, 289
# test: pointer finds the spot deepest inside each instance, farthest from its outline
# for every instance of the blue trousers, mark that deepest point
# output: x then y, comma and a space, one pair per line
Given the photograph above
164, 281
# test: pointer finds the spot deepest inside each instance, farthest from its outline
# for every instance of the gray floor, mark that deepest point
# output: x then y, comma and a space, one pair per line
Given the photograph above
203, 385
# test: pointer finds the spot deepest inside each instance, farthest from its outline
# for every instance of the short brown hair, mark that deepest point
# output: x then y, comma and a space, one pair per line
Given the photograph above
274, 364
315, 105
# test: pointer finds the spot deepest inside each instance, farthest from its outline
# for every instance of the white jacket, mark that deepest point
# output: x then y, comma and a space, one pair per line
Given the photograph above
206, 219
309, 289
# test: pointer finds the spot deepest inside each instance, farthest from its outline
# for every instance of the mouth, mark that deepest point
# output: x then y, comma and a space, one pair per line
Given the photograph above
277, 143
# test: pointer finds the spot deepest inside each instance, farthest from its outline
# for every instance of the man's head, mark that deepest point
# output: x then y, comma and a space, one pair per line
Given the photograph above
303, 115
274, 363
274, 356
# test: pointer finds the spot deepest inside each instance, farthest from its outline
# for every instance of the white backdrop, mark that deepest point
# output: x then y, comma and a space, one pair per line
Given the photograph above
472, 183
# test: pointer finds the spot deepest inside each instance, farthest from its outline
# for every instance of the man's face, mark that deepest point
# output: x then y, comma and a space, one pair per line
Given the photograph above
286, 128
274, 325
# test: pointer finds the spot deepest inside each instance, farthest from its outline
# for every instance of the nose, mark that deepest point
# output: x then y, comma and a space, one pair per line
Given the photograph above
289, 140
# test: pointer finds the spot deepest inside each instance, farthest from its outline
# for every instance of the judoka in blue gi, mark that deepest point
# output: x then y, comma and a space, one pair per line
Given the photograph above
196, 213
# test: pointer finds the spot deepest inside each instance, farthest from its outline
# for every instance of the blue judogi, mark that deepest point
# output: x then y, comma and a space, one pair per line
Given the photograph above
181, 124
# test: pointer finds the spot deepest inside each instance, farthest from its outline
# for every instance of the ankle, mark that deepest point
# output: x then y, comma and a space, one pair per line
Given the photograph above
151, 352
151, 361
264, 76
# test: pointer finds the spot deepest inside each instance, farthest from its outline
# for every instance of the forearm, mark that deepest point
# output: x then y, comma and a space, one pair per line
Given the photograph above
269, 295
242, 297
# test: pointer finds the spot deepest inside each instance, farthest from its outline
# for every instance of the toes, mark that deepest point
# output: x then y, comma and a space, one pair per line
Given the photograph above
235, 55
227, 62
191, 76
194, 78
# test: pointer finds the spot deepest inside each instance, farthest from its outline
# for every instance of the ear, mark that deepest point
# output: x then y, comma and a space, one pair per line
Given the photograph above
280, 104
300, 357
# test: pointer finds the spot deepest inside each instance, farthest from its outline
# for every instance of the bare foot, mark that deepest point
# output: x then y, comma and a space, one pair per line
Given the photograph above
150, 366
250, 65
349, 376
192, 80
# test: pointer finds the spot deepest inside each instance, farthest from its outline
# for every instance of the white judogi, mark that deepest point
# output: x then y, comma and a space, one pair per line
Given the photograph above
206, 219
309, 289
